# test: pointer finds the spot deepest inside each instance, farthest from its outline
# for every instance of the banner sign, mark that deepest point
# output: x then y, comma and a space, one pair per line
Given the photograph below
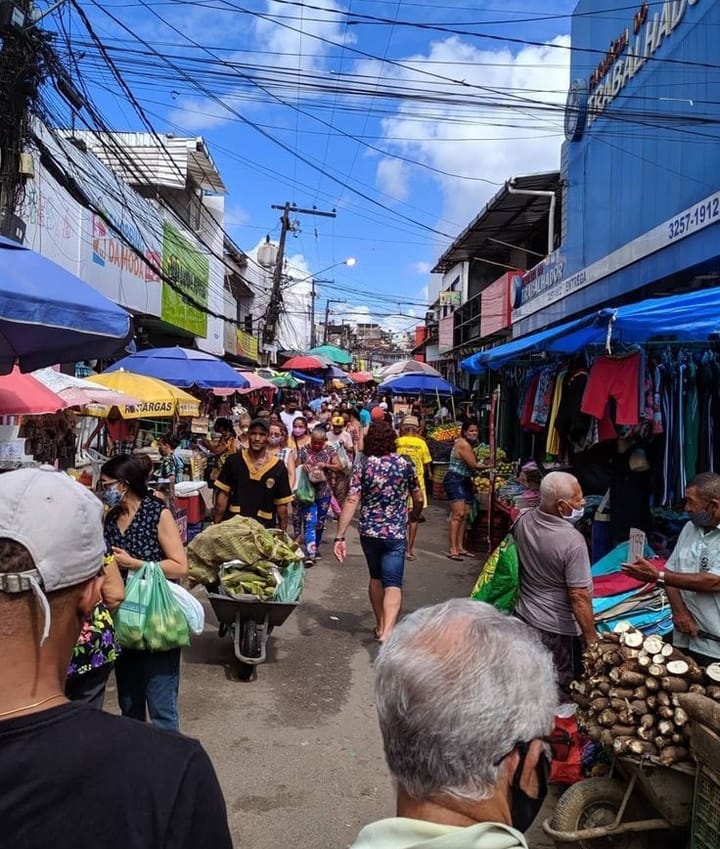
450, 298
190, 272
247, 345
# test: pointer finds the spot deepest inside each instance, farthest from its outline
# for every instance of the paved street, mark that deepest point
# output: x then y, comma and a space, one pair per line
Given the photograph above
298, 750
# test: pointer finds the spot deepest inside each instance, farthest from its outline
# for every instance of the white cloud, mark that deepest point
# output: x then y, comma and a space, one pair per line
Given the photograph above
421, 267
393, 178
480, 138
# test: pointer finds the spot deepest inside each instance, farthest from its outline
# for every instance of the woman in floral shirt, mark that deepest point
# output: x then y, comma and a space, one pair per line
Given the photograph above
382, 484
95, 651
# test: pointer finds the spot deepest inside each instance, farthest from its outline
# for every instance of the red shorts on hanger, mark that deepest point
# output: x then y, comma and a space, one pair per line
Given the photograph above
618, 378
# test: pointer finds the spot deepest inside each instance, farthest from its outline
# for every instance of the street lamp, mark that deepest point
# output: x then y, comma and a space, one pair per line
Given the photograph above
349, 262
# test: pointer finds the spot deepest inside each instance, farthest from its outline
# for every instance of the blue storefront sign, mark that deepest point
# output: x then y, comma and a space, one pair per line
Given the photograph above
641, 162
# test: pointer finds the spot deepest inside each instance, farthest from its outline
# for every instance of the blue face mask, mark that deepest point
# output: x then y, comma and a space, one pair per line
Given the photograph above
112, 496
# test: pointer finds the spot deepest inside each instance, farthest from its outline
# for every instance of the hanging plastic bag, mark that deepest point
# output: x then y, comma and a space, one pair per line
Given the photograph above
304, 491
292, 584
342, 455
149, 618
499, 581
190, 606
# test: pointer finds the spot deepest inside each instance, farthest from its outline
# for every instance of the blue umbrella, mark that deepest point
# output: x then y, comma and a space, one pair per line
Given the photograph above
183, 367
48, 315
415, 382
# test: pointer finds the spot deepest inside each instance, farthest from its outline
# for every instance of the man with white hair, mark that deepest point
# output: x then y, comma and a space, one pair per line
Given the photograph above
465, 696
555, 578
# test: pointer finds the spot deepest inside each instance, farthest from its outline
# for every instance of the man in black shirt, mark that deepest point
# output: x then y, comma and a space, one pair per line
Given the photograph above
254, 483
70, 774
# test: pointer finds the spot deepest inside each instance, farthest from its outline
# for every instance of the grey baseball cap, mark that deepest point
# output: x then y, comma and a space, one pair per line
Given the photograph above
59, 521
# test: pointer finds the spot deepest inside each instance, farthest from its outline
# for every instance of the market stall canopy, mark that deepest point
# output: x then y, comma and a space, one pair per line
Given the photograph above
686, 317
414, 384
48, 315
24, 395
158, 399
78, 392
338, 374
361, 376
182, 367
308, 378
305, 363
332, 353
408, 367
286, 381
567, 338
255, 384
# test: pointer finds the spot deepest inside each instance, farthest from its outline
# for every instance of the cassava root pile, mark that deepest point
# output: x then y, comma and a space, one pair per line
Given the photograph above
629, 697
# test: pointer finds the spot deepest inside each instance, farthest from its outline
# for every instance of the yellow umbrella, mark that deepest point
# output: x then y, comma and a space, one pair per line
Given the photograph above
158, 398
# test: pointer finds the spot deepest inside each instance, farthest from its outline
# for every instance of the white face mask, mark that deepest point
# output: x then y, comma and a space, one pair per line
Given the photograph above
575, 516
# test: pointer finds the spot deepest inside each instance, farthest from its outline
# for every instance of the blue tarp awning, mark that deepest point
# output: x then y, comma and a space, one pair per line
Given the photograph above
687, 317
565, 338
308, 378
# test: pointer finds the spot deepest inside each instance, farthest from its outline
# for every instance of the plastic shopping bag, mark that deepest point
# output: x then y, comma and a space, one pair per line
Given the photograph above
499, 581
190, 606
304, 491
345, 463
149, 618
291, 587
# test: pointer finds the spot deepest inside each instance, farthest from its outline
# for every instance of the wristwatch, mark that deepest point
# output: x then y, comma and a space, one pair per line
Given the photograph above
339, 539
660, 580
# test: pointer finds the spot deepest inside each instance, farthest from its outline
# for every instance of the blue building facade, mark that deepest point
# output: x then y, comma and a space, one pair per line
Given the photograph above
640, 164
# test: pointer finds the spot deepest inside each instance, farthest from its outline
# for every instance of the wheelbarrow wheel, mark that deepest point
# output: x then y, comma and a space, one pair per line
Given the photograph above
250, 642
593, 803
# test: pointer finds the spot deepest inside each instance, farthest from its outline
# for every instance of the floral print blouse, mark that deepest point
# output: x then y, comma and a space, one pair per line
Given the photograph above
384, 485
96, 645
312, 459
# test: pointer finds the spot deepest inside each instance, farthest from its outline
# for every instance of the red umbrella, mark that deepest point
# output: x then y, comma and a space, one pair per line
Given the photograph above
256, 383
305, 362
23, 395
361, 376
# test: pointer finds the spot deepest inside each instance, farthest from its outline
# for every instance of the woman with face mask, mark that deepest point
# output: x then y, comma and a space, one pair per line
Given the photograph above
319, 459
459, 487
139, 528
278, 446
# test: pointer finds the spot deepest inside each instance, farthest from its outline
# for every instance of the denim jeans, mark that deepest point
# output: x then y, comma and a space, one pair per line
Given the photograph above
149, 681
385, 559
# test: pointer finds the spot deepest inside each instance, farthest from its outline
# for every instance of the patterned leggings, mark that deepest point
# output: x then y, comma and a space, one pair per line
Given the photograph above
312, 518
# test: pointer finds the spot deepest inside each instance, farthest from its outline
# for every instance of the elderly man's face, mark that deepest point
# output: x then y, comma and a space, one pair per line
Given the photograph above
575, 501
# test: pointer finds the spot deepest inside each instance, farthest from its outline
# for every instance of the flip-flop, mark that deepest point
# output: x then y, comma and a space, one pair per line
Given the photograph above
411, 557
454, 557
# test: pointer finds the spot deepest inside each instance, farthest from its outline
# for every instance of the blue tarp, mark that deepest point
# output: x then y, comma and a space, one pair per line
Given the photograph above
307, 378
566, 338
688, 317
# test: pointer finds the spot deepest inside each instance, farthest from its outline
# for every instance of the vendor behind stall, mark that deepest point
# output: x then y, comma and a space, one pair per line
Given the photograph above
171, 467
120, 433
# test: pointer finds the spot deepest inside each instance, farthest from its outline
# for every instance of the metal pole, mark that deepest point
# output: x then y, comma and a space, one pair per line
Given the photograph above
313, 338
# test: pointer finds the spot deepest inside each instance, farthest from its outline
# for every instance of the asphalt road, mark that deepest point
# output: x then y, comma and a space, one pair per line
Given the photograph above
297, 750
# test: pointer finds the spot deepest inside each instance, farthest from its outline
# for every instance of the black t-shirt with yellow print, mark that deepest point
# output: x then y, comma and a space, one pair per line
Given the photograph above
254, 493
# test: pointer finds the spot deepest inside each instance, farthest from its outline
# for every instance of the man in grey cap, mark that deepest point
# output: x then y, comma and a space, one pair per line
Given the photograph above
70, 774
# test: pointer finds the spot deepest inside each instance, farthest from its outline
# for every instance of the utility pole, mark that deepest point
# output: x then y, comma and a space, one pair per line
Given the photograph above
327, 314
313, 295
275, 304
22, 72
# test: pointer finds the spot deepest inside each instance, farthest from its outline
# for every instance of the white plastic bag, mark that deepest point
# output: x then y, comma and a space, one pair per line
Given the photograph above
190, 606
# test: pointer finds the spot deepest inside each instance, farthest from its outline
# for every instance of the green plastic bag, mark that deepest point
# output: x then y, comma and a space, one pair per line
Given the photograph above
149, 618
292, 584
499, 581
304, 491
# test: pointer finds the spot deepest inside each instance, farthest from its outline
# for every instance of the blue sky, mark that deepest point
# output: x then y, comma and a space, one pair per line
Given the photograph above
415, 128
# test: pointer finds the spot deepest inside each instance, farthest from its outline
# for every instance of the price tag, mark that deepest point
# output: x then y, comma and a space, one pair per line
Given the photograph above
636, 545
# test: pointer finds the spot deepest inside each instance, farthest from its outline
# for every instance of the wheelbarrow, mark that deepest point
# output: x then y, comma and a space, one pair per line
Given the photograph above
249, 622
624, 809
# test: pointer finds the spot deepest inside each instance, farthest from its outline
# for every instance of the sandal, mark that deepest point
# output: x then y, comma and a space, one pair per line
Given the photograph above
454, 557
309, 562
411, 557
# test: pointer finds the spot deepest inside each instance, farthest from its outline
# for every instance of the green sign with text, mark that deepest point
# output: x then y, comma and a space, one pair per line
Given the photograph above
189, 272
